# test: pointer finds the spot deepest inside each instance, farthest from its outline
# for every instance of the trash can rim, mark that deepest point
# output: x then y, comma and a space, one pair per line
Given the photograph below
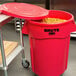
58, 24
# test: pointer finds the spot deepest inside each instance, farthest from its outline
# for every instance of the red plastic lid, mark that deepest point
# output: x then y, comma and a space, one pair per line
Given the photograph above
24, 11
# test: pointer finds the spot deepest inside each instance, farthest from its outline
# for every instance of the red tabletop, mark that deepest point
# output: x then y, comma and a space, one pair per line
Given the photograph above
24, 10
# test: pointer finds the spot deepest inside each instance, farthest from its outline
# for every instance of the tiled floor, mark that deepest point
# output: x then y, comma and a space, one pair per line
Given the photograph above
16, 69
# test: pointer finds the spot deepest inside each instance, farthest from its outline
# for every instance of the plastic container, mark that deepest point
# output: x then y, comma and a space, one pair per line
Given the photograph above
50, 44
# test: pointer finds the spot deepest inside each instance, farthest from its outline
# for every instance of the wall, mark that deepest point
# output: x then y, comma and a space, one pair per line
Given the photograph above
26, 1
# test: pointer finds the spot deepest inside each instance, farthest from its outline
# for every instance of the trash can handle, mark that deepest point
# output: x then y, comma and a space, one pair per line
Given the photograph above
73, 28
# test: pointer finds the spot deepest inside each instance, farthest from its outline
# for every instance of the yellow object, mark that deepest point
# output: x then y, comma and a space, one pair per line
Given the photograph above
53, 20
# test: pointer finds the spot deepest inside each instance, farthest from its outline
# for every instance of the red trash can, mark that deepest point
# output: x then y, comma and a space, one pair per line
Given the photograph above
50, 44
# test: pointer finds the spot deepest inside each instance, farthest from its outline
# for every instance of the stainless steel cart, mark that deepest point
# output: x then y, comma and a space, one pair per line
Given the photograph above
20, 48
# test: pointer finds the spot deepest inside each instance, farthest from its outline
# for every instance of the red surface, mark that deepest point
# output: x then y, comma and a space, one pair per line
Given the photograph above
49, 56
24, 10
49, 53
24, 29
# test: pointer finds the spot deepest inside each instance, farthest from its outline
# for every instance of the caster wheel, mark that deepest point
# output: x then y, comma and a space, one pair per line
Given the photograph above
25, 64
